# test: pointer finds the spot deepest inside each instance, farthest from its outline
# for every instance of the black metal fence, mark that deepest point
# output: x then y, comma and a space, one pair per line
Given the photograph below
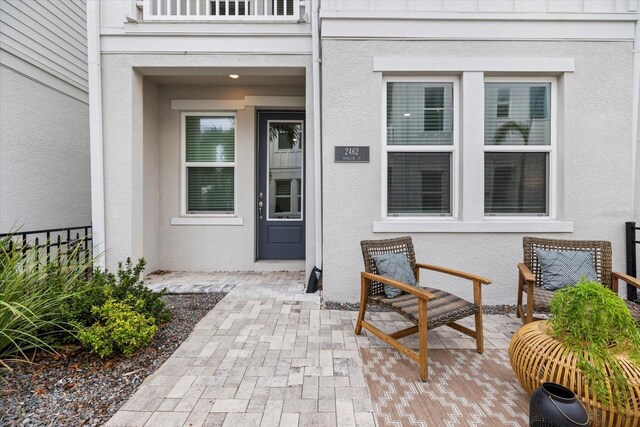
56, 244
632, 243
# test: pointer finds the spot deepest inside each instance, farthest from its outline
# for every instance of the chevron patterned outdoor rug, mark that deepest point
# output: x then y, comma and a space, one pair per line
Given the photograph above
464, 389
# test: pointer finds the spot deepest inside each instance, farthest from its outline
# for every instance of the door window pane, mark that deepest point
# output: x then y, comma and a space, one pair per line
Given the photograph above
419, 113
210, 190
210, 139
516, 183
284, 169
419, 184
517, 114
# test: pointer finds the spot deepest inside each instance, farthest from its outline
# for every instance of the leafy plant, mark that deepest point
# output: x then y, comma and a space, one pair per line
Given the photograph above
32, 295
124, 286
595, 323
120, 329
129, 285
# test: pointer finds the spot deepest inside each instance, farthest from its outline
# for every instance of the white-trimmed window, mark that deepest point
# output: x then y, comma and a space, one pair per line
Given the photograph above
208, 163
420, 148
519, 147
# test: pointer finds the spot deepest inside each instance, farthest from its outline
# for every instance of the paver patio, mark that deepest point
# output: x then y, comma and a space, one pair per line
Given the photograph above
269, 355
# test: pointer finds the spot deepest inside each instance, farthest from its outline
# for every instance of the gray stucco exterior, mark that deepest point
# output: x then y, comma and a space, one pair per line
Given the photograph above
155, 68
594, 151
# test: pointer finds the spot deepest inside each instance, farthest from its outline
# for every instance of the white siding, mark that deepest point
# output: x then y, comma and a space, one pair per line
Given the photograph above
50, 36
483, 6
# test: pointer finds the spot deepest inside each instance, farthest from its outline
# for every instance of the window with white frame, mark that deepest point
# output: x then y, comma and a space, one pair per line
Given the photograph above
518, 148
209, 163
420, 148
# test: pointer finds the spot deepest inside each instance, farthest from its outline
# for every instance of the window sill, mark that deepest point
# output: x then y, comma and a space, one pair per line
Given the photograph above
207, 221
489, 226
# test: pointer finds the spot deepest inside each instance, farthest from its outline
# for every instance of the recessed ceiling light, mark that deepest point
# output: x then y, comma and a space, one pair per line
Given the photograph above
234, 76
407, 114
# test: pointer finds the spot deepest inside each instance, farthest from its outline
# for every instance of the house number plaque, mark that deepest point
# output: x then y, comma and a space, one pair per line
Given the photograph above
352, 154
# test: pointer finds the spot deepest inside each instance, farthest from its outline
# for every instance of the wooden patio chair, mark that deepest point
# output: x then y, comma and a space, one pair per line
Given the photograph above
426, 308
530, 276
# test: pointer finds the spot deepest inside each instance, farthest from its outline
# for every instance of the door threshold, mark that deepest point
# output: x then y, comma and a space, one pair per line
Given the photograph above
279, 265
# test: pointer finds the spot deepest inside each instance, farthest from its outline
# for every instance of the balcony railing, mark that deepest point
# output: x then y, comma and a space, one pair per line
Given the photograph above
221, 10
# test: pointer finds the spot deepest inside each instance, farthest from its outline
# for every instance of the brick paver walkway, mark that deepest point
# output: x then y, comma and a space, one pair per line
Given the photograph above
268, 355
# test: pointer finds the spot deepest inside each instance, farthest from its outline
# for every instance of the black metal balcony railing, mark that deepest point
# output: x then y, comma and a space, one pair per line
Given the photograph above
56, 244
632, 243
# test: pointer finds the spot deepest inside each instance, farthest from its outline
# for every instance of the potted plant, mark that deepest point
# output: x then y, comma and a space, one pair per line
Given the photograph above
591, 345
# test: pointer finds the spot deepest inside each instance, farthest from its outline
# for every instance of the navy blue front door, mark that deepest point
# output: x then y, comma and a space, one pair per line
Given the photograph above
281, 178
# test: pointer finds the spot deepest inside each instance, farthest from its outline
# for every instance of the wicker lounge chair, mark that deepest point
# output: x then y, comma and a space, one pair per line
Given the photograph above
427, 308
530, 277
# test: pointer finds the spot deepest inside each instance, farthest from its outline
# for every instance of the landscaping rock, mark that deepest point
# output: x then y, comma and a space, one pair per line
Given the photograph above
76, 388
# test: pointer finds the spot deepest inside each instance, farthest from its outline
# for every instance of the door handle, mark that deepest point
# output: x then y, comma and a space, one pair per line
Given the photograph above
260, 205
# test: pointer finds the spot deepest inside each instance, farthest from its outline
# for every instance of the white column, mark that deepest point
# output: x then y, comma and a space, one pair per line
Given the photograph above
95, 133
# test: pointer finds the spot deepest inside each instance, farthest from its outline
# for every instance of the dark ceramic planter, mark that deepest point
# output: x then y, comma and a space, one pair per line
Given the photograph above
553, 405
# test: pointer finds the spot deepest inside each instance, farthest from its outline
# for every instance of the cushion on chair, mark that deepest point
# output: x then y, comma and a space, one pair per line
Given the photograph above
565, 268
445, 308
396, 267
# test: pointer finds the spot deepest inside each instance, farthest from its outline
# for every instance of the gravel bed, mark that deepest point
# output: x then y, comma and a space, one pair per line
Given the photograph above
343, 306
77, 388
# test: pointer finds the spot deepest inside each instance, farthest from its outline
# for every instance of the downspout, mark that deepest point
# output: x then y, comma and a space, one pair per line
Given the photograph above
95, 133
314, 276
635, 206
317, 129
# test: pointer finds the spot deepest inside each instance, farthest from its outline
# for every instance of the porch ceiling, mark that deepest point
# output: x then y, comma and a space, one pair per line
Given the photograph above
219, 76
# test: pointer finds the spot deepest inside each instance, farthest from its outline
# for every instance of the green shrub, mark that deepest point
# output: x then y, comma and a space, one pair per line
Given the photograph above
594, 322
120, 329
32, 297
124, 286
89, 294
129, 286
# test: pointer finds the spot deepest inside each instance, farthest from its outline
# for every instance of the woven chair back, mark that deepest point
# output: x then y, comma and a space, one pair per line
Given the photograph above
400, 245
600, 249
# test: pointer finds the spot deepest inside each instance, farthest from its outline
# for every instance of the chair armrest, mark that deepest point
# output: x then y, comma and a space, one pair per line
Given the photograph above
527, 275
420, 293
626, 278
456, 273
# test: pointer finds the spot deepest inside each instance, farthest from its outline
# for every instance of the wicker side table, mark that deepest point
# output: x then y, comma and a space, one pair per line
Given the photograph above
536, 357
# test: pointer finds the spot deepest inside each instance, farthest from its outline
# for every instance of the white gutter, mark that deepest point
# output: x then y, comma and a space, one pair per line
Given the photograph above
95, 132
635, 205
317, 130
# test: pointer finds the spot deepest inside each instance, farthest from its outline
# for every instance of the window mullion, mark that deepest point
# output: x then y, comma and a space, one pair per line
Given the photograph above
420, 148
472, 153
211, 164
518, 148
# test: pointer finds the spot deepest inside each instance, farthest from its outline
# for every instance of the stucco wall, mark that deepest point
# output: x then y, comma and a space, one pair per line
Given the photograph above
44, 156
141, 161
219, 247
595, 160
